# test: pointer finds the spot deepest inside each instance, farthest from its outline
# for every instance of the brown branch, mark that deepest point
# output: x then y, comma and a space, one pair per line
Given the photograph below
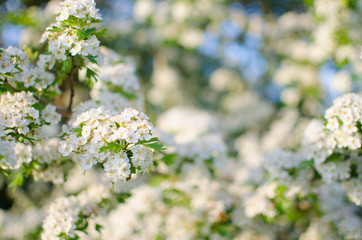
65, 112
9, 85
71, 78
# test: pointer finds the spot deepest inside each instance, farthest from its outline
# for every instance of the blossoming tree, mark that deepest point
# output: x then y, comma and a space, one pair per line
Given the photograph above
259, 114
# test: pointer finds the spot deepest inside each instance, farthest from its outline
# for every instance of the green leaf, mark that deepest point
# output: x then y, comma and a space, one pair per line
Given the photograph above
92, 59
98, 228
154, 139
5, 88
116, 147
56, 29
121, 197
153, 143
67, 65
306, 164
38, 106
81, 35
169, 159
102, 33
96, 20
17, 180
60, 77
90, 31
129, 96
91, 74
77, 130
6, 75
156, 146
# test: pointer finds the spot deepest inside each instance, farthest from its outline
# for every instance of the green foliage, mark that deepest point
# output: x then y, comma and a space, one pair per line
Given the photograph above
113, 146
153, 143
175, 197
22, 17
91, 74
92, 59
98, 228
122, 197
22, 173
5, 88
38, 106
67, 65
77, 130
103, 33
306, 164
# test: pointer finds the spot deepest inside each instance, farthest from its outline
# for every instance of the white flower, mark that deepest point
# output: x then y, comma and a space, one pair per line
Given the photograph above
65, 149
99, 128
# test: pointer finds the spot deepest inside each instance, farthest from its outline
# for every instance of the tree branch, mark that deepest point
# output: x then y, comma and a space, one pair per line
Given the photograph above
71, 85
65, 112
9, 85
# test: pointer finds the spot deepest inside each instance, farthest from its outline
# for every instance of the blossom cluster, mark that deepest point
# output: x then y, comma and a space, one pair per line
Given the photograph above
69, 34
342, 131
8, 157
49, 159
117, 84
18, 114
36, 76
98, 136
329, 151
121, 75
21, 121
67, 216
79, 9
260, 203
17, 69
172, 209
63, 213
12, 60
208, 147
344, 121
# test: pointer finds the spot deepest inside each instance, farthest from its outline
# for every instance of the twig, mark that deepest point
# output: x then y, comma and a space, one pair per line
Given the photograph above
9, 85
65, 112
71, 86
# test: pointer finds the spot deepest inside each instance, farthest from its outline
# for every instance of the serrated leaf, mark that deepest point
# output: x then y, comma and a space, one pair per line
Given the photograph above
156, 146
81, 35
92, 59
55, 29
5, 88
6, 75
59, 78
90, 31
98, 228
103, 33
96, 20
38, 106
306, 164
91, 74
76, 130
17, 180
129, 96
67, 65
154, 139
116, 147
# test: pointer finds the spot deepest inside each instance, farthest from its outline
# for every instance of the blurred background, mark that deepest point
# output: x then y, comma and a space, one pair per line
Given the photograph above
183, 47
251, 73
